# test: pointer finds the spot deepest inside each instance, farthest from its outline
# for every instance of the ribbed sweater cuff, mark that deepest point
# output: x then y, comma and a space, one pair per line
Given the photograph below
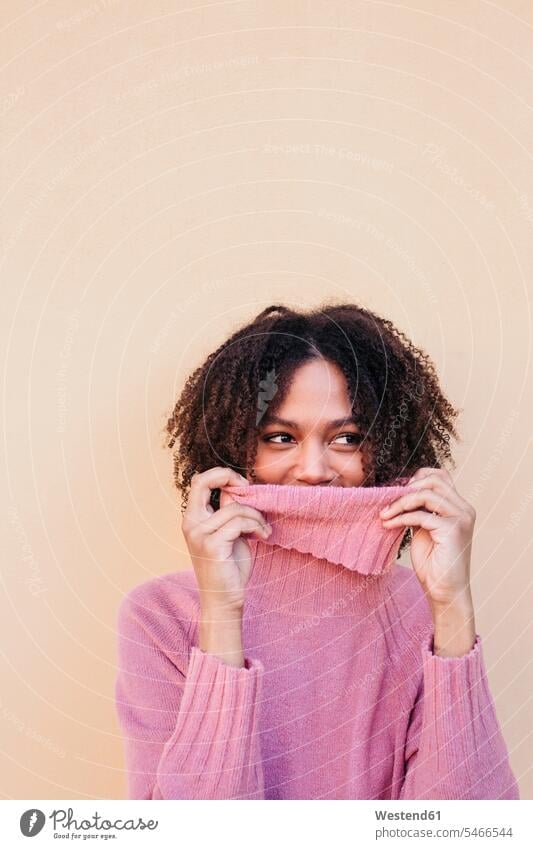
462, 754
214, 752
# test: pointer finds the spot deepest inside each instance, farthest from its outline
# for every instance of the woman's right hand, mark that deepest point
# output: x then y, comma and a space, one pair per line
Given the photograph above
220, 557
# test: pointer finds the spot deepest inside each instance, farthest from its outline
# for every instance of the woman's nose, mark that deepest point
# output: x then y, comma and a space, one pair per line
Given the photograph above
312, 467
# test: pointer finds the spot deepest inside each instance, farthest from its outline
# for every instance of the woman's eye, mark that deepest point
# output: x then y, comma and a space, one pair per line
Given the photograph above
354, 437
272, 436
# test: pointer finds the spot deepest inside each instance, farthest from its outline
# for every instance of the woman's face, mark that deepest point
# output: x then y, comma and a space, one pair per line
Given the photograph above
311, 440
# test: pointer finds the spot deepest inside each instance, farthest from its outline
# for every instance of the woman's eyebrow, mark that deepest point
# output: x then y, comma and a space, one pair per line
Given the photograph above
286, 423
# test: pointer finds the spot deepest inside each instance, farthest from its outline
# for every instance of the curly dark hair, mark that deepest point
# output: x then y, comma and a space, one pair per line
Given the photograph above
405, 419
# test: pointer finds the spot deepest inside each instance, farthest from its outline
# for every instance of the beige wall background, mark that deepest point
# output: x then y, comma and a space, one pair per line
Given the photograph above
169, 169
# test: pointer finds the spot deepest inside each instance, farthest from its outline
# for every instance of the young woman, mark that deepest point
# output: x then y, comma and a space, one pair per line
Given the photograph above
298, 659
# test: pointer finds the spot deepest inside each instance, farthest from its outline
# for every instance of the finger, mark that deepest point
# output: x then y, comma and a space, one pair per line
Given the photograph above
231, 530
424, 471
232, 511
429, 521
201, 485
428, 498
438, 483
442, 487
227, 497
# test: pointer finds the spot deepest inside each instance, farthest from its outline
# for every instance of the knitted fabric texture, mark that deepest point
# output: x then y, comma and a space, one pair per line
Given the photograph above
316, 530
341, 695
338, 524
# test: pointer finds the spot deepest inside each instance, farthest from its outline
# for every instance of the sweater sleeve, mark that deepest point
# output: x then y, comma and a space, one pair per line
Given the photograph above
190, 731
454, 747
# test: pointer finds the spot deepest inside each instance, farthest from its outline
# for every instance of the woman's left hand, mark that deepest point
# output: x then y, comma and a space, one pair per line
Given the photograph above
441, 547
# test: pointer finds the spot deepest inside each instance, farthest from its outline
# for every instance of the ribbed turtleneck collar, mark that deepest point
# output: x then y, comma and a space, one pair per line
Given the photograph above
315, 531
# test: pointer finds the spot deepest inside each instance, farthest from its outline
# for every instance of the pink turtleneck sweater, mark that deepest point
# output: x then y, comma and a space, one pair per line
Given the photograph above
340, 697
